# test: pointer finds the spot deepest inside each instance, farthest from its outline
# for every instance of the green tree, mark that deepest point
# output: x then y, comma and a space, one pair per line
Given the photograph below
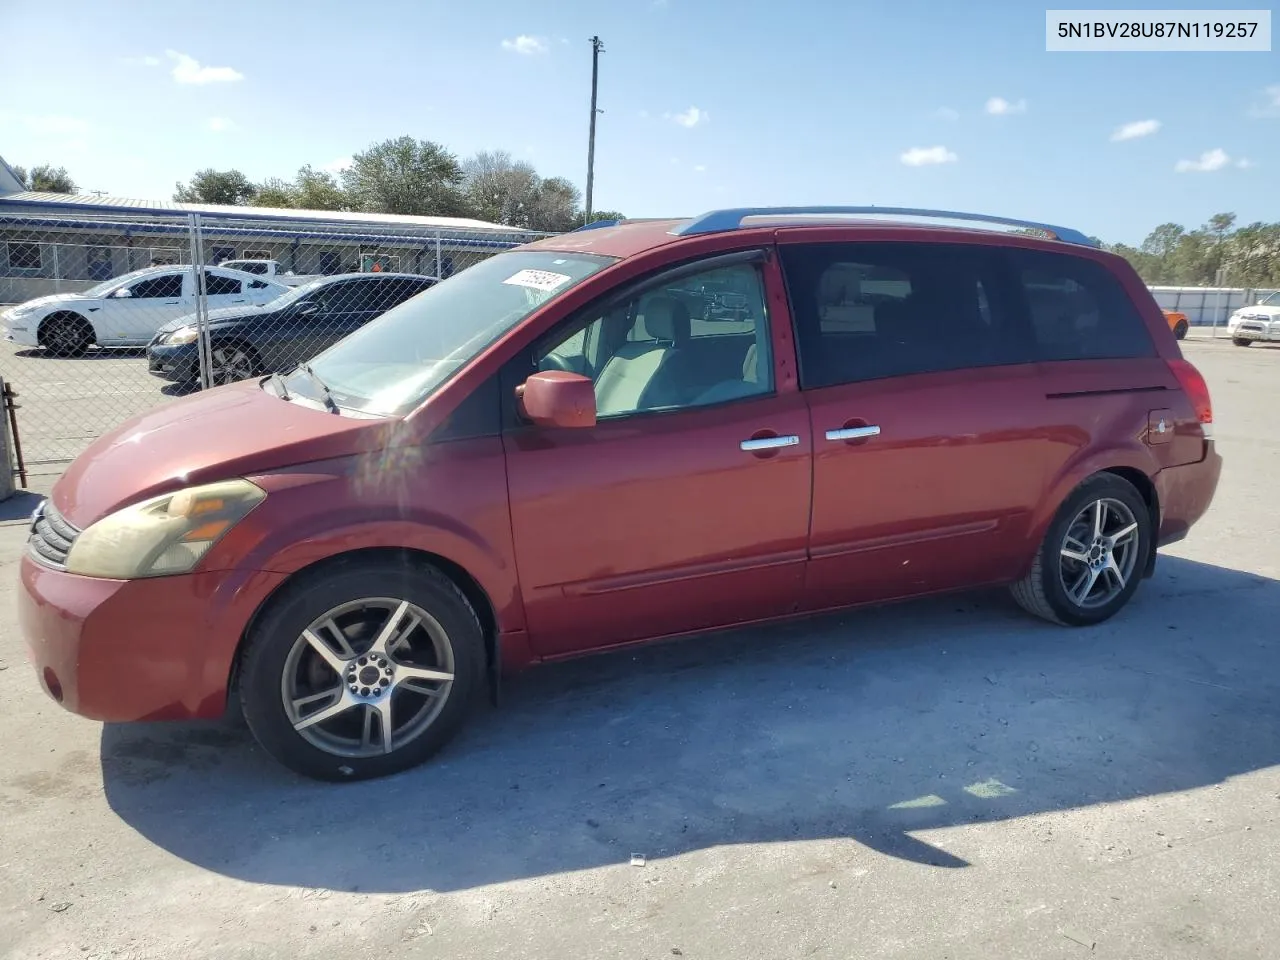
318, 190
229, 187
555, 208
406, 176
499, 189
274, 192
46, 178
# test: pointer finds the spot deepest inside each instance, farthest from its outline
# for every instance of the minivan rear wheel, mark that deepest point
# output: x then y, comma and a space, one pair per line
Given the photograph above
1093, 555
363, 671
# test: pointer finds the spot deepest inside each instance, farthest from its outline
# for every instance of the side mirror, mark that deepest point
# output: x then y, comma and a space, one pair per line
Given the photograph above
307, 307
556, 398
123, 293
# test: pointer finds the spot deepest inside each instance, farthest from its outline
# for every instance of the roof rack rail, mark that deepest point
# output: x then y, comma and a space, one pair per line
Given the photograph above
596, 225
716, 221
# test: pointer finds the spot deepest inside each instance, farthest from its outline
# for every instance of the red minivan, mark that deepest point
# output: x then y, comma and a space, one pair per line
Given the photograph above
635, 430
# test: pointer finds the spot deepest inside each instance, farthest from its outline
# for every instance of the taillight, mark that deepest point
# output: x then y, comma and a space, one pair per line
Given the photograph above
1194, 386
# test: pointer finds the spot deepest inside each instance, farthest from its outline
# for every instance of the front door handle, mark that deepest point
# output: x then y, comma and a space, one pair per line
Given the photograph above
769, 443
853, 433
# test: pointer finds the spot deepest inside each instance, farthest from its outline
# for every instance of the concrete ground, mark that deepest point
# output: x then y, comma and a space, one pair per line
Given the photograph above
940, 779
65, 404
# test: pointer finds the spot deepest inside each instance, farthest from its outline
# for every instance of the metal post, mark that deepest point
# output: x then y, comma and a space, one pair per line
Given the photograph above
57, 273
1218, 279
597, 48
439, 261
202, 304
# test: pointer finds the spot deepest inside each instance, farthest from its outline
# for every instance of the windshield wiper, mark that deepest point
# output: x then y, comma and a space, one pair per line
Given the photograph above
278, 382
329, 403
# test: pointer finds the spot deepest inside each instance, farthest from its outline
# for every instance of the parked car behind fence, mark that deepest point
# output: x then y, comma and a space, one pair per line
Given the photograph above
277, 336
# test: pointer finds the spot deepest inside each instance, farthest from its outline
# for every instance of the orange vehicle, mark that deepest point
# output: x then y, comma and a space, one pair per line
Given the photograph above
1178, 322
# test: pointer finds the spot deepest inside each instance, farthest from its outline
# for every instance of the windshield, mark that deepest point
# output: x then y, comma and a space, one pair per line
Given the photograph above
1271, 300
392, 364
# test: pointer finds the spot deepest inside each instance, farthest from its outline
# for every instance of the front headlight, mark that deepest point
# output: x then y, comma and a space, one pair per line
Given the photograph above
181, 335
164, 535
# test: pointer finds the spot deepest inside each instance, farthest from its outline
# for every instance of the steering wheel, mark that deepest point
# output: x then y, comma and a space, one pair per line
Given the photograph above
554, 361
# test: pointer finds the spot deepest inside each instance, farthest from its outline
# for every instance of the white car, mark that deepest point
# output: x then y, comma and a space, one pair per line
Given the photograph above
127, 310
1261, 322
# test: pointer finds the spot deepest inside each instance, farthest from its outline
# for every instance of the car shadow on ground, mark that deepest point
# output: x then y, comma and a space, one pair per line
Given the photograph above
874, 725
93, 353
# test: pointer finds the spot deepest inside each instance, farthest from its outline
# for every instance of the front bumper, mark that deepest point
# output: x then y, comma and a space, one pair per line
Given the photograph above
1253, 330
152, 649
22, 333
180, 363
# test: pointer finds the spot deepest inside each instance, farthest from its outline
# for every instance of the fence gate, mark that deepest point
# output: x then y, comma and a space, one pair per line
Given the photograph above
83, 296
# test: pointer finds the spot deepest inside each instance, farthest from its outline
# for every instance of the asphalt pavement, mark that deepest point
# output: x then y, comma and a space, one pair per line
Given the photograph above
939, 779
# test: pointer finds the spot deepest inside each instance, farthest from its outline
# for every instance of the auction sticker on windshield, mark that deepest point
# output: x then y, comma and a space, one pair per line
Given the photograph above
538, 279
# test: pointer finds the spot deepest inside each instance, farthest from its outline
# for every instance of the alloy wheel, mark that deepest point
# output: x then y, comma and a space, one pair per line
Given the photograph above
231, 365
1099, 553
367, 677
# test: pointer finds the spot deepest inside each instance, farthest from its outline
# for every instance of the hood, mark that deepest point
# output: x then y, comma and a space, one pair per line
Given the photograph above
202, 438
1257, 312
238, 312
48, 300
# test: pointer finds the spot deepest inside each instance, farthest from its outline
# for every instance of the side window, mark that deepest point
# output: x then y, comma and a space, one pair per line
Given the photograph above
698, 340
167, 286
1078, 309
345, 297
215, 284
865, 311
257, 285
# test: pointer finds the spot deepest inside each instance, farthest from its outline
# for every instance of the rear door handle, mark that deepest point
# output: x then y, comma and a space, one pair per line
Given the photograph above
853, 433
769, 443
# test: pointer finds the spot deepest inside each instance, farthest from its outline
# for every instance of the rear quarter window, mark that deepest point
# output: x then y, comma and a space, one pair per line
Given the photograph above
1078, 309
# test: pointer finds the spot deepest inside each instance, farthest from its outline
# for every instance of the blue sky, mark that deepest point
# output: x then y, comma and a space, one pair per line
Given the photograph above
708, 103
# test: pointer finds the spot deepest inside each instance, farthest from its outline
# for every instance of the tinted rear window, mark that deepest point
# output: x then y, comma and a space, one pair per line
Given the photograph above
866, 311
1078, 308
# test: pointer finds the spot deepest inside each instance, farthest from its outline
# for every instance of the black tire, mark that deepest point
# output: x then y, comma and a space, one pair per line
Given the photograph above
1043, 592
1180, 330
268, 655
1241, 342
65, 335
227, 369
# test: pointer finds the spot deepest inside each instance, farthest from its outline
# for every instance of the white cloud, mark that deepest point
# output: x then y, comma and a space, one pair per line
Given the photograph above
189, 70
947, 113
1208, 161
689, 118
526, 45
1132, 131
141, 61
700, 168
927, 156
1269, 106
1000, 107
1244, 163
220, 124
337, 166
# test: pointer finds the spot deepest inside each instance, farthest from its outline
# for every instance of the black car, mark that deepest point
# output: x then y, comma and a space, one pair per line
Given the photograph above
277, 336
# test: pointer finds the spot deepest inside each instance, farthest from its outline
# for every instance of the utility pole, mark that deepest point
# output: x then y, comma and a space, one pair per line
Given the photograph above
597, 48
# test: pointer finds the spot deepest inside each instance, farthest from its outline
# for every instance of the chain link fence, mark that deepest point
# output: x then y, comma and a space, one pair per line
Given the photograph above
104, 317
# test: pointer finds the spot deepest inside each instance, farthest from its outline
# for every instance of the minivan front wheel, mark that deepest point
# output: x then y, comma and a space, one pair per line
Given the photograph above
362, 672
1093, 555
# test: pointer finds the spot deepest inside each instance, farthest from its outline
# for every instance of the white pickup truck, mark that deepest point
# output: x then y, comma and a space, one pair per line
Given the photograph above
268, 268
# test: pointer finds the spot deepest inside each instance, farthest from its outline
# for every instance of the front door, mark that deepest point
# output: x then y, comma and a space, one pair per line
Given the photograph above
687, 505
928, 458
150, 304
